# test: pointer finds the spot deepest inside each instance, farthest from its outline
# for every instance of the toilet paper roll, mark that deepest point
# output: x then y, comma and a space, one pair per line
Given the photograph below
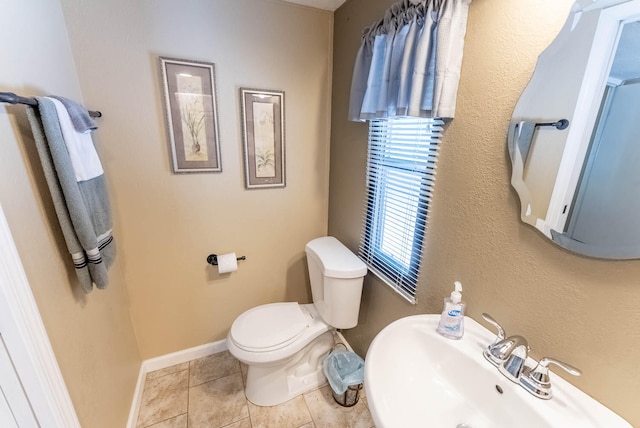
227, 263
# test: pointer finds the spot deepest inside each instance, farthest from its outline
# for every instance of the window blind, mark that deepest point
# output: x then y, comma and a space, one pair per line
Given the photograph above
401, 170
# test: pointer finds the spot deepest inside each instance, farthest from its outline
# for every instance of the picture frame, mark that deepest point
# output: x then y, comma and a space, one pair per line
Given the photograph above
189, 89
263, 138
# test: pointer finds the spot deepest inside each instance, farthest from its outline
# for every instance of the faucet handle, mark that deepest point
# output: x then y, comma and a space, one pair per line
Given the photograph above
501, 334
537, 381
540, 374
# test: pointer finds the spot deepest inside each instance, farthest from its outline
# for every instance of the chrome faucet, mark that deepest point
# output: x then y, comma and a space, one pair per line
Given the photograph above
511, 356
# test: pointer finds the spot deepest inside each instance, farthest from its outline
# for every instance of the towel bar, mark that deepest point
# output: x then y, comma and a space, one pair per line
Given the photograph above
561, 124
11, 98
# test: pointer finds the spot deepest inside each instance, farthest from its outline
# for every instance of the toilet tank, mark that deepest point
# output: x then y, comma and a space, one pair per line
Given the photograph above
336, 276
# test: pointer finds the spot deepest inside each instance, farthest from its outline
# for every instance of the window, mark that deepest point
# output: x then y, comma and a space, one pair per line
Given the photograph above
400, 178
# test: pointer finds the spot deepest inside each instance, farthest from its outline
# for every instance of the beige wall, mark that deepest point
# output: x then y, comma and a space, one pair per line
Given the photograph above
579, 310
92, 336
168, 223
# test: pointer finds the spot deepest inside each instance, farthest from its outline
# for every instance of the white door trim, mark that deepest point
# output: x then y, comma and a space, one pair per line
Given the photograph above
27, 341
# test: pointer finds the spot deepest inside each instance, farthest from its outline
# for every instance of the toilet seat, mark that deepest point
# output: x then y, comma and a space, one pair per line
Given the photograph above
269, 327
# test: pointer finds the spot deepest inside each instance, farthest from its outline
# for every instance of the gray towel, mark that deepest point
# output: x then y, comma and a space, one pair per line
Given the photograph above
82, 207
80, 118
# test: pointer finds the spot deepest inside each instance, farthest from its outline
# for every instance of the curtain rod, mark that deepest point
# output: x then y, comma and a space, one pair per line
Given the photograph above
11, 98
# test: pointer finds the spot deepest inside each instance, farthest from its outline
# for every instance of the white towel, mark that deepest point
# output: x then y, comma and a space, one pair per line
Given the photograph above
84, 158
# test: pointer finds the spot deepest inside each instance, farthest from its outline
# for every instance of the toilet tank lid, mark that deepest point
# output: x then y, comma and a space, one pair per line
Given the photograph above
337, 260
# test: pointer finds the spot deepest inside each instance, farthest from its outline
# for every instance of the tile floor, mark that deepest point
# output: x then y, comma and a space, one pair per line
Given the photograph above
209, 393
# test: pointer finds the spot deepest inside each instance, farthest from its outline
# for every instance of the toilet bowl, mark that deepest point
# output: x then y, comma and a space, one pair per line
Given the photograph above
284, 351
284, 344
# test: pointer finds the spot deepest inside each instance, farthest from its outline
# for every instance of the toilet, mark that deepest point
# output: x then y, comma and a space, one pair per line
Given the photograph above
284, 344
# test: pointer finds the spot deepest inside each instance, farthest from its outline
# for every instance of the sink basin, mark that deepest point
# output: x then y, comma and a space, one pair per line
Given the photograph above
416, 378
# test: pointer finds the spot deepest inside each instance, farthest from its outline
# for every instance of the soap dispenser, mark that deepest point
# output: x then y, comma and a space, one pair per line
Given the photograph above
451, 323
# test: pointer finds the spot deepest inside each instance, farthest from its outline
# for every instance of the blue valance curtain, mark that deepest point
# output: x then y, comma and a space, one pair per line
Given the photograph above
409, 61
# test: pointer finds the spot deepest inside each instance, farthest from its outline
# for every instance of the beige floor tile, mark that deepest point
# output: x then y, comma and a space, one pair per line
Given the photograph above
363, 397
212, 367
164, 397
244, 369
326, 413
177, 422
217, 403
216, 400
167, 370
291, 414
245, 423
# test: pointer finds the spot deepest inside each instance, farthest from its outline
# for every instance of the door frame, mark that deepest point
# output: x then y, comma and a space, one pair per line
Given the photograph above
27, 341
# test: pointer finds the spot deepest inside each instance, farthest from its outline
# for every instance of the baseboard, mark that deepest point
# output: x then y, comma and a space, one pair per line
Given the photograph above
137, 398
165, 361
183, 356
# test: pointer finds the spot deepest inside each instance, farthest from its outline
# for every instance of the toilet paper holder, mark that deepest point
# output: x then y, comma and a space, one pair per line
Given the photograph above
212, 259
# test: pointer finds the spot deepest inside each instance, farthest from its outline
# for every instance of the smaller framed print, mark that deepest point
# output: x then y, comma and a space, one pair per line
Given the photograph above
191, 114
263, 137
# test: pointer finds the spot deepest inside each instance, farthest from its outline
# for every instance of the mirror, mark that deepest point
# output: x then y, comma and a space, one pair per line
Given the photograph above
574, 138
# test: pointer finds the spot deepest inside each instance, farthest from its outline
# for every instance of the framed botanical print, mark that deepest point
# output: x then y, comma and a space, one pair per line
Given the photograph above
191, 114
263, 137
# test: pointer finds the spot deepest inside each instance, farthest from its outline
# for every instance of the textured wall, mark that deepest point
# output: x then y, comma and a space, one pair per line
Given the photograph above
92, 335
580, 310
168, 223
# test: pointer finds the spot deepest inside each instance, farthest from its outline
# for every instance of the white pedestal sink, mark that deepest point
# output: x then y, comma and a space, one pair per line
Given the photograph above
417, 378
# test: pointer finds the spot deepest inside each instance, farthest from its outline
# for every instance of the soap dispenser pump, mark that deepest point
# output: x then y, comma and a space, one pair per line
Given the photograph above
451, 323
